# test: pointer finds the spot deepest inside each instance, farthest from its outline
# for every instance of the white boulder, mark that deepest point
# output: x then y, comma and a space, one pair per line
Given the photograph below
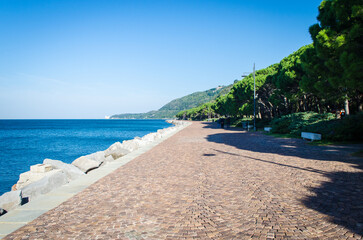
86, 164
36, 172
71, 171
41, 168
165, 131
133, 144
29, 177
52, 180
97, 156
151, 137
10, 200
109, 159
116, 150
26, 178
140, 142
177, 123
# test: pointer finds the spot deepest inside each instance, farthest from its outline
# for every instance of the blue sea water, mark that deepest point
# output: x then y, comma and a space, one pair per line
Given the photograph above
27, 142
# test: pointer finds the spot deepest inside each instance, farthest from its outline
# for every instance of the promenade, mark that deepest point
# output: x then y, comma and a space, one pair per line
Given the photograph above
211, 183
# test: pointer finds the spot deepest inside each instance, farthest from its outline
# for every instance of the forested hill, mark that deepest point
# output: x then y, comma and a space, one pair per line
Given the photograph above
195, 99
172, 108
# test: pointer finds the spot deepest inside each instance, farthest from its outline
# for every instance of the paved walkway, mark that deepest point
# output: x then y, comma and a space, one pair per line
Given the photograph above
209, 183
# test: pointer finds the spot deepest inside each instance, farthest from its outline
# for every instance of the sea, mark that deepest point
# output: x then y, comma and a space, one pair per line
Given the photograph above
27, 142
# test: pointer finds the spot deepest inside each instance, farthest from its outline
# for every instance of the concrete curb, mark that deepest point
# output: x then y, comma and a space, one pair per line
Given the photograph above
22, 215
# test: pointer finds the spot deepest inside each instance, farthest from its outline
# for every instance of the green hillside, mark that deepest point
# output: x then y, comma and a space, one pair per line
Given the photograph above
172, 108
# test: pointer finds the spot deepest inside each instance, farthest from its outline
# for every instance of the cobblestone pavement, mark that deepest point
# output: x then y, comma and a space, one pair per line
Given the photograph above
210, 183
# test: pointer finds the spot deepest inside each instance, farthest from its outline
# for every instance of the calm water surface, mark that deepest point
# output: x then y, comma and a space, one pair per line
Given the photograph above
27, 142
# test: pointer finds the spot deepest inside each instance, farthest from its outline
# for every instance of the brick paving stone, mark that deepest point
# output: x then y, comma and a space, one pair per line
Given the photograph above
211, 183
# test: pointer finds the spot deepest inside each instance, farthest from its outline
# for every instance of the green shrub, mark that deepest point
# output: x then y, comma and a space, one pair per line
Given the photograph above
294, 123
302, 120
349, 128
281, 125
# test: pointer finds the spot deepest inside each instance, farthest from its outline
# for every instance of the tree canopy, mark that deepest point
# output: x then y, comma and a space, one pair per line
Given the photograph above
337, 40
322, 77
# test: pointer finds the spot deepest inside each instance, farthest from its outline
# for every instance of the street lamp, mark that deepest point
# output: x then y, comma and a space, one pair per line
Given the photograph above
254, 97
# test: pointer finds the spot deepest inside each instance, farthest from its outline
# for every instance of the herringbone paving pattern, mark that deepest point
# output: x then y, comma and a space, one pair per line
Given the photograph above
210, 183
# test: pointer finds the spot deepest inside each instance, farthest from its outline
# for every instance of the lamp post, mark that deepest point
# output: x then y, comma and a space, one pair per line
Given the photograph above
254, 97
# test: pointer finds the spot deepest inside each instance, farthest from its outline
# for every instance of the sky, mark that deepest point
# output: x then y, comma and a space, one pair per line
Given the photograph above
85, 59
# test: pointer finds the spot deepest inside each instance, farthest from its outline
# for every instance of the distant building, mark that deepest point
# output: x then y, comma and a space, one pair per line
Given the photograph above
107, 117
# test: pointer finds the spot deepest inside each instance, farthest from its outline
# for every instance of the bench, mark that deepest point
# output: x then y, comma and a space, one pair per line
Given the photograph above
267, 129
311, 136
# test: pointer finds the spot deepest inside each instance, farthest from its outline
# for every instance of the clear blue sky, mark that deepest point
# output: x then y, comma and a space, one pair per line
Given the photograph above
88, 59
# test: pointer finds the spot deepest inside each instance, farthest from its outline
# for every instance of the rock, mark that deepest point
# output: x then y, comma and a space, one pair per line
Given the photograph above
36, 172
167, 131
116, 150
131, 145
109, 159
149, 138
50, 181
161, 132
29, 177
177, 123
13, 188
41, 168
97, 156
86, 164
140, 142
71, 171
11, 200
158, 135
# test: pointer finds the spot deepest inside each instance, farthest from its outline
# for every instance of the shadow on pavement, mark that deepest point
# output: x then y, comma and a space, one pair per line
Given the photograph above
341, 197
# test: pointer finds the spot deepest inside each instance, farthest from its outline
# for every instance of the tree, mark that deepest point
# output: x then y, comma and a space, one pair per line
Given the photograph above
338, 40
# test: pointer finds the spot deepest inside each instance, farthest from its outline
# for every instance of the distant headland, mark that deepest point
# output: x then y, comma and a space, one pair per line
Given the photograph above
170, 109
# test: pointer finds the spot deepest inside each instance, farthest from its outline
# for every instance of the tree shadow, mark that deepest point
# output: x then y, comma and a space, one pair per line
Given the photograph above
259, 142
275, 163
341, 197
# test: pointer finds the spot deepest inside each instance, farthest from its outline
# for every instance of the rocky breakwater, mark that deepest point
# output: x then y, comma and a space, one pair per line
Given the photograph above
51, 174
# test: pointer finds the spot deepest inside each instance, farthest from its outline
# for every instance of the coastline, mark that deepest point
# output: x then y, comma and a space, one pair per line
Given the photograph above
45, 200
28, 142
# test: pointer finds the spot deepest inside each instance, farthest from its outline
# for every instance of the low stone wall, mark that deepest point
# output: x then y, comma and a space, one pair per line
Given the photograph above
51, 174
